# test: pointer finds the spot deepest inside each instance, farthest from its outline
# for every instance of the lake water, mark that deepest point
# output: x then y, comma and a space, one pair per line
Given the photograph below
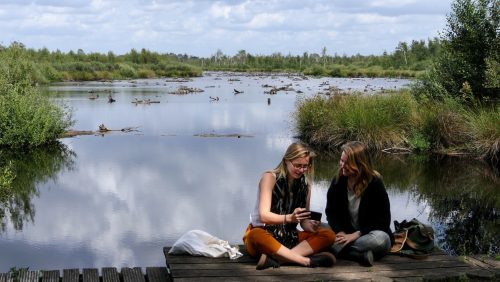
193, 163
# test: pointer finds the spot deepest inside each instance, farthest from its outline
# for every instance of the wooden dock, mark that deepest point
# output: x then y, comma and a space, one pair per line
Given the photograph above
108, 274
437, 267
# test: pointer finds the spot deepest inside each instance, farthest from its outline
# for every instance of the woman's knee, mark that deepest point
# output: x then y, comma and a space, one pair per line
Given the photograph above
382, 239
327, 234
260, 241
376, 240
321, 239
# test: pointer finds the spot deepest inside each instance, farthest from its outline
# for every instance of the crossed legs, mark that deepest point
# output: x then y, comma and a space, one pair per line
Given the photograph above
258, 241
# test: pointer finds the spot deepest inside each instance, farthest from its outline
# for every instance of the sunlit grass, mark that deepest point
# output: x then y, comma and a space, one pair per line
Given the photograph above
397, 121
485, 125
381, 121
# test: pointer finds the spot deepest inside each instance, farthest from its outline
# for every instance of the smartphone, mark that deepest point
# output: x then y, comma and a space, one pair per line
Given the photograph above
315, 216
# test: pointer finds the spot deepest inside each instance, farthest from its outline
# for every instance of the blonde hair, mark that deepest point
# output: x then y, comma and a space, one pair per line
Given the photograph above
359, 162
294, 151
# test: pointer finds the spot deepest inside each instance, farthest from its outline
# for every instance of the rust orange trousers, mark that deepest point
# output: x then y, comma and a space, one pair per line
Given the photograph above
258, 241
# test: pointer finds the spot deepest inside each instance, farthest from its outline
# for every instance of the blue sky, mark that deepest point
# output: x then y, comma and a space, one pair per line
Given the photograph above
201, 27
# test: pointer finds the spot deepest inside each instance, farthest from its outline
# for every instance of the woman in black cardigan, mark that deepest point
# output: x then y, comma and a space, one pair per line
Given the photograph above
358, 208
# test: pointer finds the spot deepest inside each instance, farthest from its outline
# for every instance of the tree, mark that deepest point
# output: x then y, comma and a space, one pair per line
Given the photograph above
241, 56
469, 42
323, 56
218, 56
402, 51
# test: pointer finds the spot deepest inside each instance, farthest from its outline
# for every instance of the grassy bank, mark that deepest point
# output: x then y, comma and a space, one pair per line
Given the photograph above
89, 71
397, 121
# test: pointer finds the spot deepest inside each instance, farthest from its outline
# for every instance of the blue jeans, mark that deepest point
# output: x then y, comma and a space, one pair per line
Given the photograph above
377, 241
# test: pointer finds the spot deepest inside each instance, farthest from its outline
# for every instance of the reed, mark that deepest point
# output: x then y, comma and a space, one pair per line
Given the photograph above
485, 126
443, 125
381, 121
399, 120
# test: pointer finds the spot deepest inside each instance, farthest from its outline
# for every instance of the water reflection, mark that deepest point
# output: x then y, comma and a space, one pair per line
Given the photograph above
459, 197
465, 203
128, 195
29, 169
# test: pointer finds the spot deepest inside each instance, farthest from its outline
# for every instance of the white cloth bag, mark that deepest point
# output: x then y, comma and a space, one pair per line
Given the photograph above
200, 243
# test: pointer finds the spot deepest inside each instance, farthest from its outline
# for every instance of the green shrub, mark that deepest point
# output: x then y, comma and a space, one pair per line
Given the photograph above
50, 73
27, 118
177, 70
30, 120
418, 141
146, 73
315, 70
337, 71
126, 71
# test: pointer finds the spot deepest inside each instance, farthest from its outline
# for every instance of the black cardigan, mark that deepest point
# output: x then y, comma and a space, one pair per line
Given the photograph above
374, 208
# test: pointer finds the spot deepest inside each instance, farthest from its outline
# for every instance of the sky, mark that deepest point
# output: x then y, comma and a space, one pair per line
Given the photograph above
202, 27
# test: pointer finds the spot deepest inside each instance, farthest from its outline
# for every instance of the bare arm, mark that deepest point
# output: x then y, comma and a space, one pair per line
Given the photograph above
266, 186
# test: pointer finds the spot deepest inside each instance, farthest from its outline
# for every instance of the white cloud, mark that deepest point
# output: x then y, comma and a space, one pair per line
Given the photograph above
266, 21
201, 27
392, 3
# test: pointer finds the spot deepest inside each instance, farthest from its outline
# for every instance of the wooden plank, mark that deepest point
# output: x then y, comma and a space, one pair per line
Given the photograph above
284, 278
344, 270
342, 265
158, 274
293, 270
132, 274
200, 259
50, 275
90, 275
29, 276
389, 259
490, 262
482, 275
110, 274
392, 267
71, 275
273, 275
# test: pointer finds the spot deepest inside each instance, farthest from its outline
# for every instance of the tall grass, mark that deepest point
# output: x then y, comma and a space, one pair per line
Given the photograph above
357, 71
398, 120
485, 126
381, 121
444, 126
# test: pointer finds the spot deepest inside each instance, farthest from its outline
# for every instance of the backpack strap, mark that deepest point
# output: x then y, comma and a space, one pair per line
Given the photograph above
399, 241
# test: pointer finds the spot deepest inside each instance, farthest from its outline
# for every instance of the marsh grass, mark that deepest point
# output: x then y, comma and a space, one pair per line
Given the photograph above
444, 126
381, 121
398, 120
485, 127
358, 71
87, 71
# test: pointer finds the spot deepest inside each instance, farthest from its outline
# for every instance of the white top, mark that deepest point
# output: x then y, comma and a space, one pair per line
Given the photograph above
353, 208
254, 214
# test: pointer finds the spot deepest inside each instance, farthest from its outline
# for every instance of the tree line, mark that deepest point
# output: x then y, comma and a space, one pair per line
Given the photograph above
407, 60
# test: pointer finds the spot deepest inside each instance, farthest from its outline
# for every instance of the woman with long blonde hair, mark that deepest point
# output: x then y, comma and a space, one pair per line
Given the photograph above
358, 208
282, 203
